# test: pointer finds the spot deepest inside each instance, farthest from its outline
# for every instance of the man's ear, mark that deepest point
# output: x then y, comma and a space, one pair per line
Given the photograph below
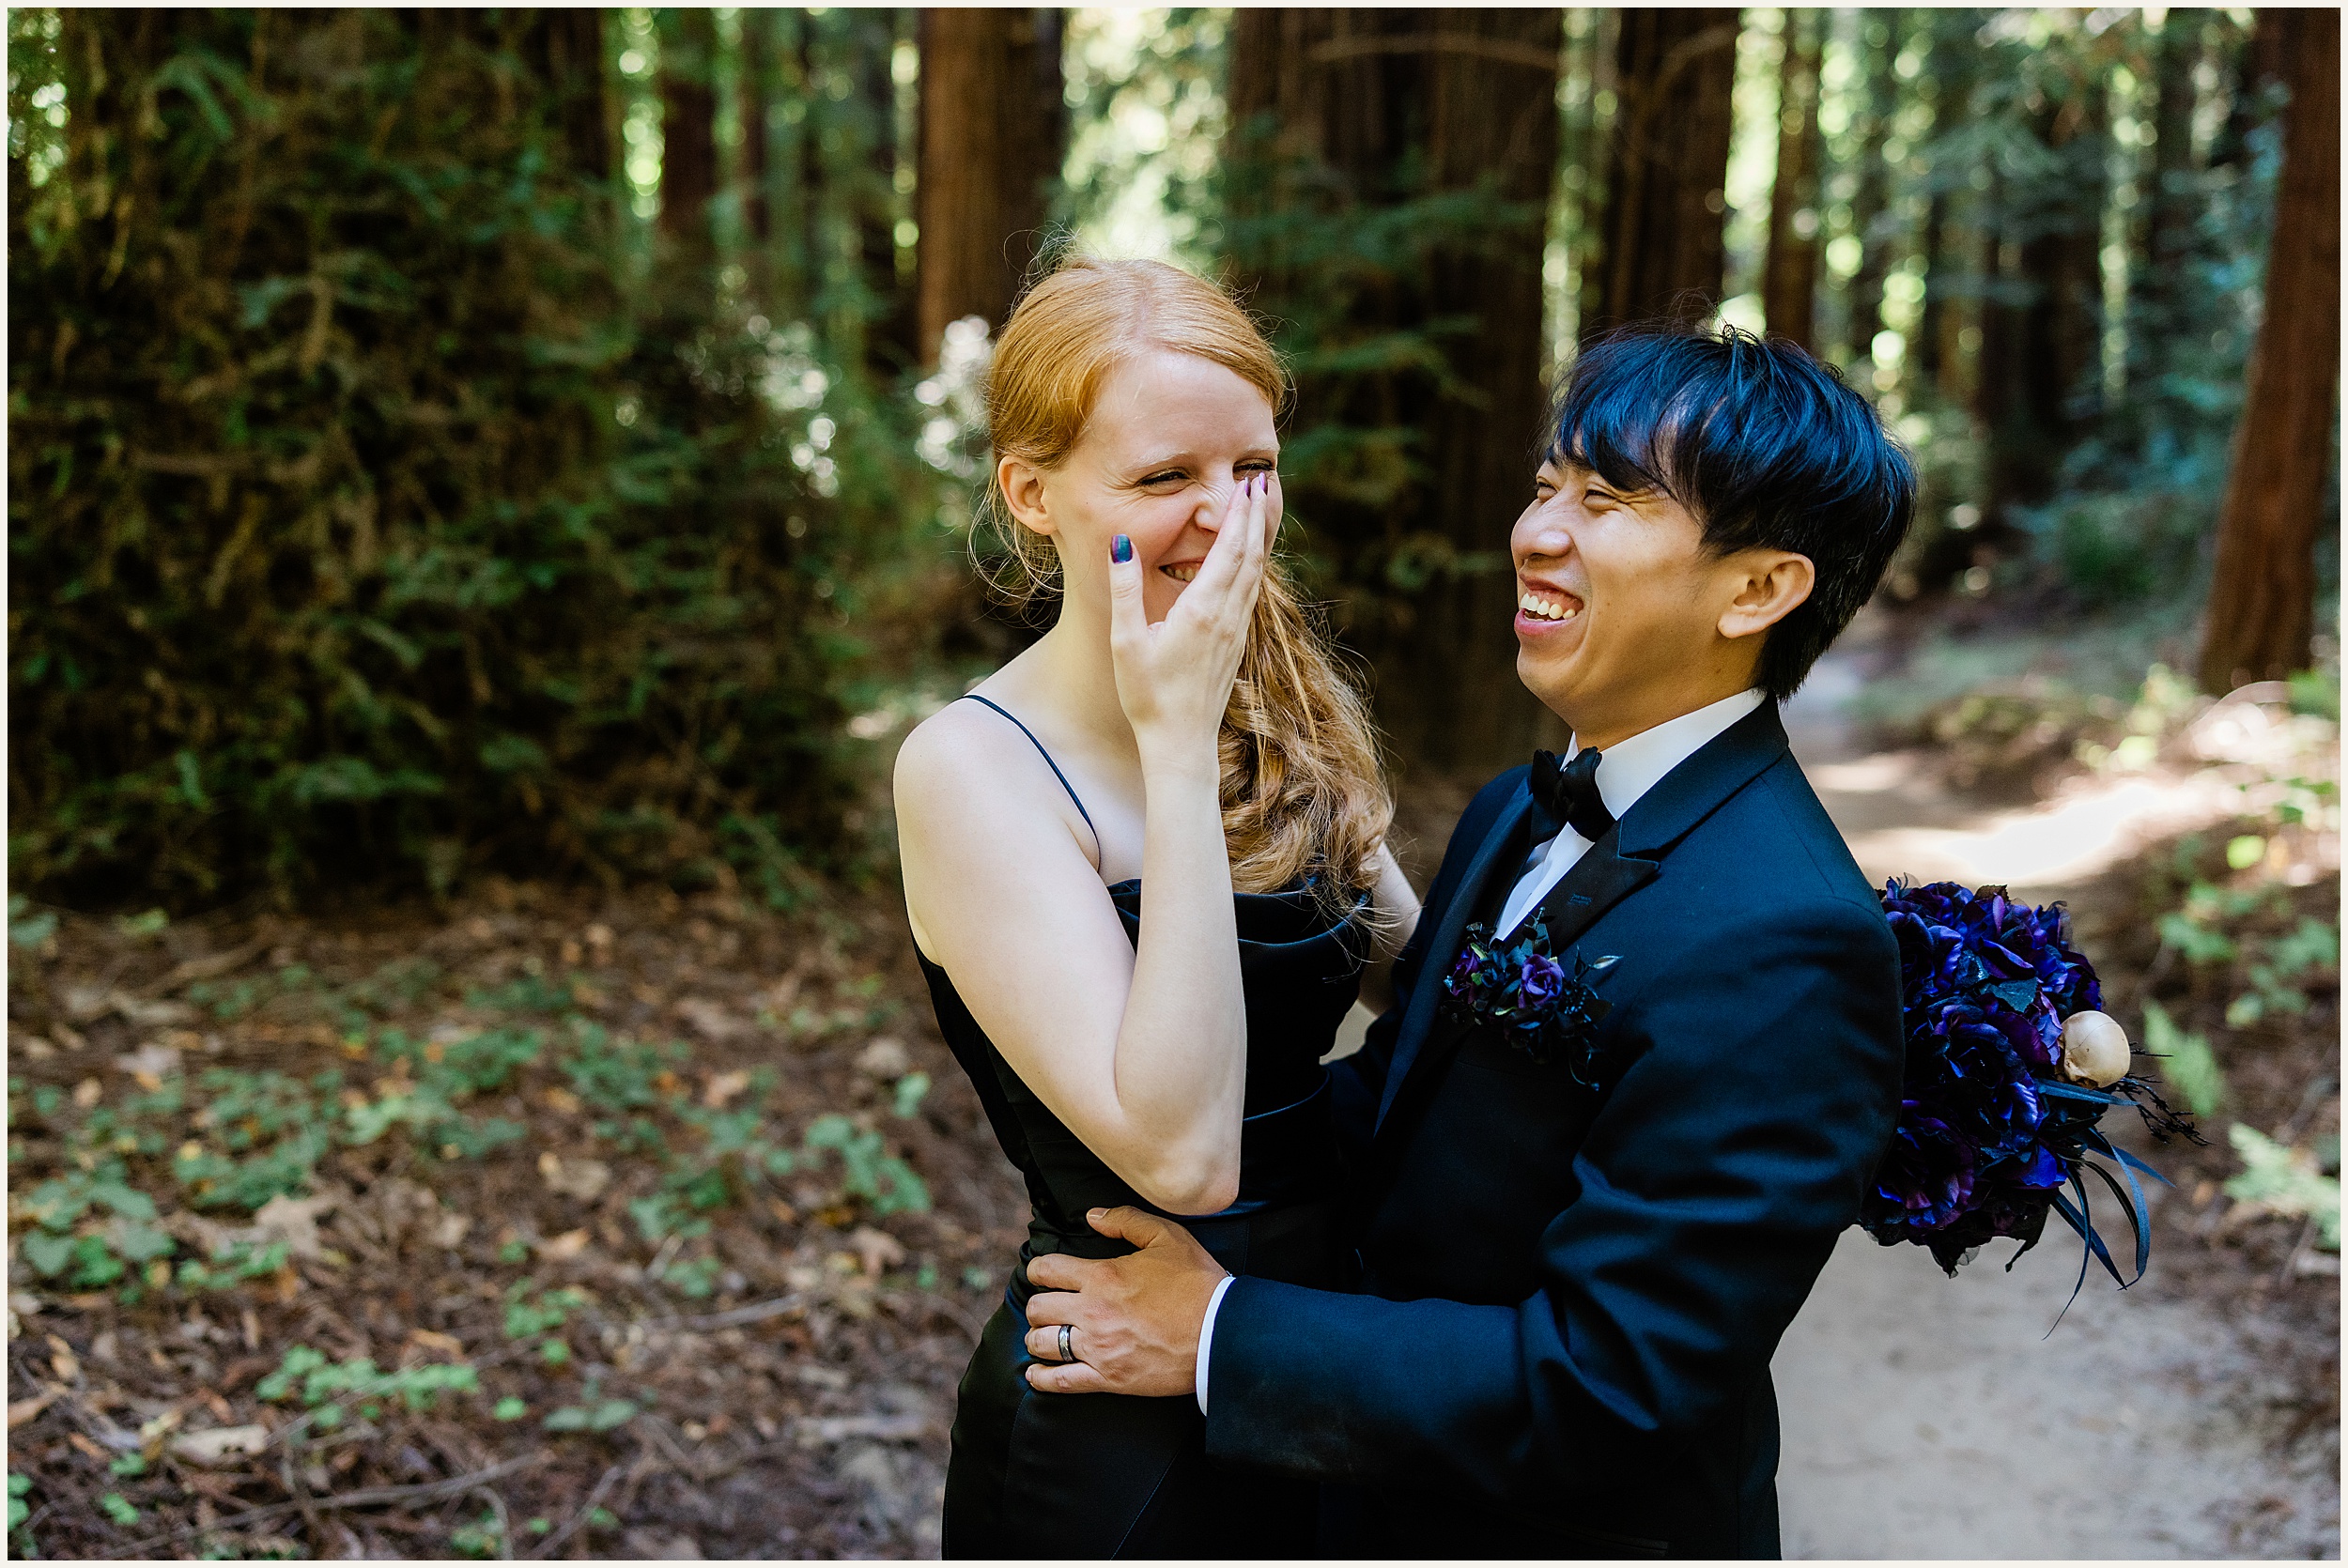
1022, 485
1771, 585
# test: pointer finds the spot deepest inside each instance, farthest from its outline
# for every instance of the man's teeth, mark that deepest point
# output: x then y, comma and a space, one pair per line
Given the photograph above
1543, 607
1180, 574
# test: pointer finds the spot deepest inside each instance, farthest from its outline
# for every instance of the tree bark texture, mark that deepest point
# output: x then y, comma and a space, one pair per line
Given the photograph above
2035, 390
2263, 599
2172, 204
1789, 273
1663, 248
762, 89
689, 132
1333, 104
565, 47
1878, 100
993, 134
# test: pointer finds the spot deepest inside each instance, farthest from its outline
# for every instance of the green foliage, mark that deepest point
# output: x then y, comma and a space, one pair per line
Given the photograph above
482, 1539
372, 518
322, 1386
117, 1508
2307, 951
872, 1173
2186, 1061
600, 1416
2285, 1181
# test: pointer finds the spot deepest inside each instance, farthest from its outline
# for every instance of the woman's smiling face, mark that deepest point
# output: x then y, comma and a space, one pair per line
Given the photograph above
1172, 439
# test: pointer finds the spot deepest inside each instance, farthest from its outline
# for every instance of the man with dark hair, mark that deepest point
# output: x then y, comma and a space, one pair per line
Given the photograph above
1647, 1053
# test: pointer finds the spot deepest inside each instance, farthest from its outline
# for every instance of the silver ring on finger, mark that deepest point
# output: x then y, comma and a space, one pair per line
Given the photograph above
1067, 1346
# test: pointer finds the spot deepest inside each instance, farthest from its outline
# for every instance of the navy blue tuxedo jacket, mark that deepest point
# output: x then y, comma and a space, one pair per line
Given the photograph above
1571, 1295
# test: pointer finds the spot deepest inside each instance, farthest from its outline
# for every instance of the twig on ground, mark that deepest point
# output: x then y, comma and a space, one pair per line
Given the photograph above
570, 1527
733, 1317
505, 1527
371, 1496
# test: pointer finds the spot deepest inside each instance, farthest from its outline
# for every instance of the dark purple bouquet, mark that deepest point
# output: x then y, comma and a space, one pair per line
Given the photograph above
2011, 1065
1521, 990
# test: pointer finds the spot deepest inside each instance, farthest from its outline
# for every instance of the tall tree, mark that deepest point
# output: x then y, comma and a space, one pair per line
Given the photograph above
994, 134
565, 45
688, 130
1871, 190
2262, 598
2035, 387
1667, 171
1789, 273
2172, 204
1390, 173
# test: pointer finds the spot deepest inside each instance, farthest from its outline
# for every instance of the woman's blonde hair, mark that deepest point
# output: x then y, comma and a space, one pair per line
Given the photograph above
1303, 793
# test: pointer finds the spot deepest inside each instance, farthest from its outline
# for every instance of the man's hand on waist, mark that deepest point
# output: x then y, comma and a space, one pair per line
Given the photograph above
1133, 1321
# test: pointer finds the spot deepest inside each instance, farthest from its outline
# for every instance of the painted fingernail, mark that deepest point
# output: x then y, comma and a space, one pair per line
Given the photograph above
1121, 549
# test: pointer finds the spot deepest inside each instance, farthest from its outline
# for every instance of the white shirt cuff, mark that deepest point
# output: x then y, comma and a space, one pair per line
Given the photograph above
1206, 1338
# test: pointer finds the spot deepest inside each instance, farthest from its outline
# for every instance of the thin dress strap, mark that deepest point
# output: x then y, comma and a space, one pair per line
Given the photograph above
1047, 761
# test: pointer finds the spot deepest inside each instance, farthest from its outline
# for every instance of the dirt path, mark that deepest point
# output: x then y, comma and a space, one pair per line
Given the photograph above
1926, 1417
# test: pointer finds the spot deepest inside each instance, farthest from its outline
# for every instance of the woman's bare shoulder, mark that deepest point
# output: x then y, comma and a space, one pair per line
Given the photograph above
966, 762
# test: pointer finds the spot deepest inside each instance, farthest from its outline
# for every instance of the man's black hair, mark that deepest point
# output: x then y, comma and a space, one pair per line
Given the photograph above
1763, 444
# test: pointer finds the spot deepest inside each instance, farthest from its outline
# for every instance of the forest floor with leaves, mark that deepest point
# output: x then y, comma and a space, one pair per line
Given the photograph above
551, 1224
562, 1224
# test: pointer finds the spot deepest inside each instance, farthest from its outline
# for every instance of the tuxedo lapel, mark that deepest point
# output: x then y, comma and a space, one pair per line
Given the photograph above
1491, 860
1597, 882
1629, 857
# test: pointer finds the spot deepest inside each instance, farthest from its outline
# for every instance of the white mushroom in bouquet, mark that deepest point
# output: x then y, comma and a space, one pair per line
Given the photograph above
2094, 1049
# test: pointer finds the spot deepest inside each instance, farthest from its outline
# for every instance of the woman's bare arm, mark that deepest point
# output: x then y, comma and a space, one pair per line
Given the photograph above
1141, 1051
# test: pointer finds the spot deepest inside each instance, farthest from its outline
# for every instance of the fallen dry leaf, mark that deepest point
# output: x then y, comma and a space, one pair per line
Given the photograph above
723, 1086
885, 1057
147, 1065
219, 1444
566, 1246
23, 1411
563, 1100
581, 1178
876, 1249
62, 1359
87, 1093
432, 1339
292, 1221
709, 1019
449, 1229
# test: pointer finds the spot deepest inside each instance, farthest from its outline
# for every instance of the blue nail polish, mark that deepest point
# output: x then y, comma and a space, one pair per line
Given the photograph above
1121, 549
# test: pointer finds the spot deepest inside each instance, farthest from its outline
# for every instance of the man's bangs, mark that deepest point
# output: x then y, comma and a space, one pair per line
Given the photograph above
1626, 429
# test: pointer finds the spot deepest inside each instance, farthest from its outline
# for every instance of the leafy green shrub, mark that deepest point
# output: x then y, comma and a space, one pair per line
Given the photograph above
370, 519
2186, 1061
2285, 1181
318, 1384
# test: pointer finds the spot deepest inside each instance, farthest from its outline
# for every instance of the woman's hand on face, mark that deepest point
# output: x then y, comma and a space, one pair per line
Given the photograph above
1174, 679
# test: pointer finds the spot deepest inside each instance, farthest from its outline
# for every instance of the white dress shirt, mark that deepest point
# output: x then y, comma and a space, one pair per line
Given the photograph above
1625, 770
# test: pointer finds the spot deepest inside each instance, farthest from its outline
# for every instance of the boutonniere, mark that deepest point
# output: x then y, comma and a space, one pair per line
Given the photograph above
1522, 991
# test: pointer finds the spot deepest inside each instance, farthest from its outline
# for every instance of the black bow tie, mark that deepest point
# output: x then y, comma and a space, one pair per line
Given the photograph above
1567, 794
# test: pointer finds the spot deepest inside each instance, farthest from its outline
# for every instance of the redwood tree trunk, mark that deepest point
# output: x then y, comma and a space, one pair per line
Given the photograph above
2261, 604
1333, 108
689, 132
993, 137
565, 46
1789, 273
1878, 45
1668, 166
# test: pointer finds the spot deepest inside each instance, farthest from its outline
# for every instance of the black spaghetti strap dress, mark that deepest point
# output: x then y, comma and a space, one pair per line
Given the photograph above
1113, 1475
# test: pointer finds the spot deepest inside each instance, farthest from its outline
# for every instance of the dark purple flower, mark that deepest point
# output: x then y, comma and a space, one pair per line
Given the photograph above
1925, 1180
1539, 980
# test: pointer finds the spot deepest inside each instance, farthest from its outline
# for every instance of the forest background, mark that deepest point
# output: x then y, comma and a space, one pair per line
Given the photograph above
488, 490
459, 442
